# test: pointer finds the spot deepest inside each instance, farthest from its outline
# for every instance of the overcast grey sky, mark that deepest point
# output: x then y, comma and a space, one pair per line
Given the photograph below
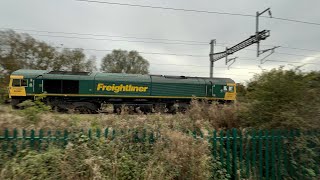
93, 18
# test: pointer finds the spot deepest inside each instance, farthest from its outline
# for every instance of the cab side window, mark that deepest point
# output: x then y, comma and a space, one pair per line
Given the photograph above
19, 82
16, 82
24, 82
225, 88
231, 89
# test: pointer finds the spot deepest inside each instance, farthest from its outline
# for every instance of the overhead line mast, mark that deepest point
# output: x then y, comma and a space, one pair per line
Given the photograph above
259, 35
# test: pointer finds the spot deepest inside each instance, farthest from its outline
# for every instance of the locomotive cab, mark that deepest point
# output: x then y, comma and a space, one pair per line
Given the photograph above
17, 86
224, 91
230, 92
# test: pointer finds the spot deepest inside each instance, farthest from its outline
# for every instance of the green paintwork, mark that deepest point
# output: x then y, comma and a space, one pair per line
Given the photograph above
86, 82
218, 91
171, 86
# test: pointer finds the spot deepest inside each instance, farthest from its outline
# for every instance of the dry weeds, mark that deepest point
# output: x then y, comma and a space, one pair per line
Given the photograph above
200, 116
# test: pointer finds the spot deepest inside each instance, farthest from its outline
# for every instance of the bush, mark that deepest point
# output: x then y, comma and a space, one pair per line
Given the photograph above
32, 109
33, 165
212, 116
178, 156
286, 99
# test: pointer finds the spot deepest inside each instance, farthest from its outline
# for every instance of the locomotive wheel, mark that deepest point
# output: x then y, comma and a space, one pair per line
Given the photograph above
14, 103
183, 110
59, 109
85, 108
82, 110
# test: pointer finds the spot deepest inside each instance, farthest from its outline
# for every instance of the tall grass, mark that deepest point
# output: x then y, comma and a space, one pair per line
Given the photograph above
200, 116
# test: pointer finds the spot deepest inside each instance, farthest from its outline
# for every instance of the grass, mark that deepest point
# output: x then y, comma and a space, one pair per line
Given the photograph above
199, 117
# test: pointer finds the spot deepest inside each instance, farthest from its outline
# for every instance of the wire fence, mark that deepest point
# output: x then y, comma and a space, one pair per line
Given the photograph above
250, 154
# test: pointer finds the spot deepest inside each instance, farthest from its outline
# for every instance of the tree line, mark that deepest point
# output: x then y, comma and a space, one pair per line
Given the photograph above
22, 51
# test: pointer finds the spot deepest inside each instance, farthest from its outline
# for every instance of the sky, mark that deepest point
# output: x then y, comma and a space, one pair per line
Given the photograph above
136, 28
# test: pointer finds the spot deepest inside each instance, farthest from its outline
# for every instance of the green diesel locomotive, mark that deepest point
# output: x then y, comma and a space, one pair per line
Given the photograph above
87, 91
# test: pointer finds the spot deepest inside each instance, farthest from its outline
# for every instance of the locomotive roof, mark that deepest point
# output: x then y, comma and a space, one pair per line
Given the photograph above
29, 73
104, 76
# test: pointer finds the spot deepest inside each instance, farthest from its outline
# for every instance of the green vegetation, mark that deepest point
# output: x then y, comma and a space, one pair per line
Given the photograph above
284, 100
32, 109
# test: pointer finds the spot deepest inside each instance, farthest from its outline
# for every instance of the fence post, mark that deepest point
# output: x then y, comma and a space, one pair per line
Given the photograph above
106, 131
32, 139
58, 135
316, 133
260, 155
136, 136
221, 147
279, 141
201, 134
228, 153
65, 137
90, 134
98, 134
14, 145
247, 154
113, 134
285, 152
24, 134
299, 165
194, 134
144, 135
6, 138
267, 154
214, 143
234, 152
254, 153
151, 138
40, 139
273, 162
290, 159
241, 152
49, 138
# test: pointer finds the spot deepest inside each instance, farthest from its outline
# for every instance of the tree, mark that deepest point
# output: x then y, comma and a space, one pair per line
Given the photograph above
23, 51
19, 51
241, 92
120, 61
74, 60
90, 65
284, 99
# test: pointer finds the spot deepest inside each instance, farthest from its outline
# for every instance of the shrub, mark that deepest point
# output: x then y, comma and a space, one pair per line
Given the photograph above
283, 99
178, 156
33, 165
32, 109
213, 116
